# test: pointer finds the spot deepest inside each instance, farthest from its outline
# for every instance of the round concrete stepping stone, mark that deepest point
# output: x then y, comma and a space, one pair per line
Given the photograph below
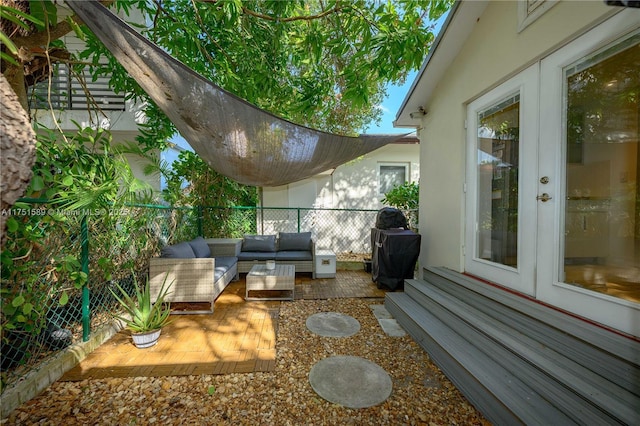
333, 324
350, 381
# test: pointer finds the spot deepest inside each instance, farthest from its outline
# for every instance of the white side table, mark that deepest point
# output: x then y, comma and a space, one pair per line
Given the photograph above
325, 264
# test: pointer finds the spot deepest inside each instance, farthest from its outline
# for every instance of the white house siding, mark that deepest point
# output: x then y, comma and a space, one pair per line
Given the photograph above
493, 52
352, 186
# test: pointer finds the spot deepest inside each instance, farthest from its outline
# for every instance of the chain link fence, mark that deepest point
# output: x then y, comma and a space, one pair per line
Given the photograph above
345, 231
59, 266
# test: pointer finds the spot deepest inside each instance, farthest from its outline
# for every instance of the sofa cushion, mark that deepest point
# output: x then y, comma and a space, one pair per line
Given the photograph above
178, 251
226, 262
259, 243
223, 264
294, 255
256, 255
298, 241
200, 247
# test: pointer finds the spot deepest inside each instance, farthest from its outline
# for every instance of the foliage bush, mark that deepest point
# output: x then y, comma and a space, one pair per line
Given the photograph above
191, 182
406, 198
80, 188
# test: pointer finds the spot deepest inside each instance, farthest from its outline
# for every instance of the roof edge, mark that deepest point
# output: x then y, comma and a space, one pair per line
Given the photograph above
432, 50
456, 29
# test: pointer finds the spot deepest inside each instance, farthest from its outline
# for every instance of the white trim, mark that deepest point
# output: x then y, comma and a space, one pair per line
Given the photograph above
461, 20
520, 278
530, 10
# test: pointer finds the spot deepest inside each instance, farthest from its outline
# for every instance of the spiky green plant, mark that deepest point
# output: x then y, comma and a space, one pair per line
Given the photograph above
141, 314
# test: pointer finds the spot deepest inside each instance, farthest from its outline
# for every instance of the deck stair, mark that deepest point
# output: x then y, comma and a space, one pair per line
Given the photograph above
516, 360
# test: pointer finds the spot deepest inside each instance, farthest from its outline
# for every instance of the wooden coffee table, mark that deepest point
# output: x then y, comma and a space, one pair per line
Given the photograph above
282, 278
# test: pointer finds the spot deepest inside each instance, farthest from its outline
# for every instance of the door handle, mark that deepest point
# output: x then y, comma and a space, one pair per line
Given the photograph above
544, 197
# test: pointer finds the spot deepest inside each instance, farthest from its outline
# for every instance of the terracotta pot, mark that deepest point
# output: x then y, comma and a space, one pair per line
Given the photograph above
147, 339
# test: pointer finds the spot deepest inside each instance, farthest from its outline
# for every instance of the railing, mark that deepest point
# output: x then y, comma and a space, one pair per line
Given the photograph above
46, 306
69, 93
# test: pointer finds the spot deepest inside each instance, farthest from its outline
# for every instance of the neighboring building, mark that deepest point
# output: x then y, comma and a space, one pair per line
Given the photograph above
71, 106
358, 184
527, 114
340, 206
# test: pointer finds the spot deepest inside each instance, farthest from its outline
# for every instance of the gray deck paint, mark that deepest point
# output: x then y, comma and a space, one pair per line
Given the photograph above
518, 361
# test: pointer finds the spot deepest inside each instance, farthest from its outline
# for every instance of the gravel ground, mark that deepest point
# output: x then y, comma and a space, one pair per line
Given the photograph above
421, 394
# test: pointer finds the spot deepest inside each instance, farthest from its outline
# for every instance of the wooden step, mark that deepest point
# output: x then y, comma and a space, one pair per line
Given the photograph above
511, 366
552, 329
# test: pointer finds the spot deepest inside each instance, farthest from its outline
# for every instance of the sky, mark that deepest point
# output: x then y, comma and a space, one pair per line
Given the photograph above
390, 106
395, 96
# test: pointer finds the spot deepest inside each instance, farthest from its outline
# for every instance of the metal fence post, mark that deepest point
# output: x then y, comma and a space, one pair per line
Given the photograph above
200, 217
298, 219
84, 261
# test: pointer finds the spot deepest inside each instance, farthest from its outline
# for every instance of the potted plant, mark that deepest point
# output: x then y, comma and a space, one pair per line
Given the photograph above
144, 318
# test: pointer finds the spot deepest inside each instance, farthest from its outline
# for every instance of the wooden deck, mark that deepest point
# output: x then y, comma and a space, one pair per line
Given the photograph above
239, 336
519, 361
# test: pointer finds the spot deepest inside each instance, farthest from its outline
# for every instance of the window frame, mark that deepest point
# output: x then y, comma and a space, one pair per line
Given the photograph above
381, 165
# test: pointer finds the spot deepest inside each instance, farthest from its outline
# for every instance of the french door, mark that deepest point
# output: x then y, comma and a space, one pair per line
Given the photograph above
589, 233
501, 166
553, 183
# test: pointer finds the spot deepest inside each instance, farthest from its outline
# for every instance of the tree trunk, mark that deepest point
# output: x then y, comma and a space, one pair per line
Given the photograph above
17, 151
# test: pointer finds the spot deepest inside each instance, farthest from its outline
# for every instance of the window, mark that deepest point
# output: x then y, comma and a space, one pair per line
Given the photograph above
391, 175
497, 168
601, 226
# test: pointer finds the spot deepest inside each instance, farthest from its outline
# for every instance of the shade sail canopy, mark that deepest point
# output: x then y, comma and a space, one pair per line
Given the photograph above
237, 139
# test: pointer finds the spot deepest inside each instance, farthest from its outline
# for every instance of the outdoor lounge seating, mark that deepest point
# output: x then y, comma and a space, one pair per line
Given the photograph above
292, 248
195, 275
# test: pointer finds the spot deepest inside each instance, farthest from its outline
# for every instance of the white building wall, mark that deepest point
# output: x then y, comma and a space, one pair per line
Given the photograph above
123, 125
351, 186
493, 52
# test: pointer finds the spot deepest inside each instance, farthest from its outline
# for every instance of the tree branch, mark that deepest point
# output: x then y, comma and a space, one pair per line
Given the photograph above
335, 9
44, 37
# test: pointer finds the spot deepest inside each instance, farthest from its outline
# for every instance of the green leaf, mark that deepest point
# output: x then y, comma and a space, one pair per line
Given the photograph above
67, 180
14, 16
77, 29
37, 183
27, 308
64, 298
7, 42
211, 390
12, 224
43, 11
18, 301
7, 57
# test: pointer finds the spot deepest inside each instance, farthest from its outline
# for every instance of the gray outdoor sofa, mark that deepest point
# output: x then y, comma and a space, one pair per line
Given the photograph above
195, 273
291, 248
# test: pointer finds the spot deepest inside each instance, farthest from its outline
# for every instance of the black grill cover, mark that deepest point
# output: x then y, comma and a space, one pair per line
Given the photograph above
389, 217
394, 257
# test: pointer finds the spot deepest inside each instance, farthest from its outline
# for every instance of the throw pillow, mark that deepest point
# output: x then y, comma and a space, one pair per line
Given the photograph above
259, 243
200, 247
178, 251
290, 241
